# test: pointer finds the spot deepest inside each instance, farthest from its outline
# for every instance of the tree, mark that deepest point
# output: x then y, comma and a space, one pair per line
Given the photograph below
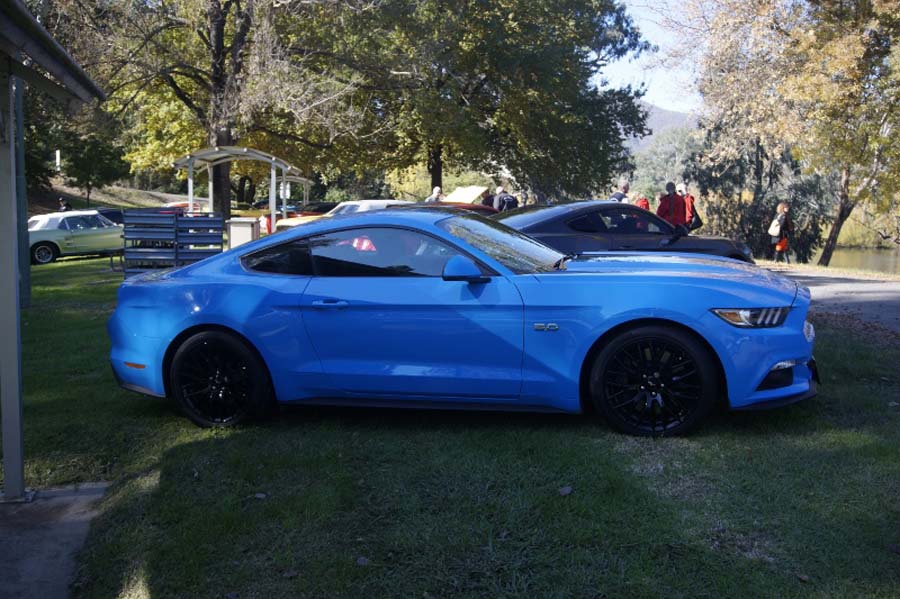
92, 157
666, 159
216, 68
506, 87
819, 77
741, 194
848, 90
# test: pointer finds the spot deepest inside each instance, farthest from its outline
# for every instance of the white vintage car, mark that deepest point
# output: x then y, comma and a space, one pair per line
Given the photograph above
72, 233
343, 208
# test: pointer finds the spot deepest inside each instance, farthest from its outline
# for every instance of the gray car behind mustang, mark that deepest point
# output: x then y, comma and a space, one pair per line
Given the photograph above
604, 226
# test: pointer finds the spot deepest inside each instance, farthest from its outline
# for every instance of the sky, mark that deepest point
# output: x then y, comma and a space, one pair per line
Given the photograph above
672, 89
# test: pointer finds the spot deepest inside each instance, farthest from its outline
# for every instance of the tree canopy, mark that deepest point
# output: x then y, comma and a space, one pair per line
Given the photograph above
340, 86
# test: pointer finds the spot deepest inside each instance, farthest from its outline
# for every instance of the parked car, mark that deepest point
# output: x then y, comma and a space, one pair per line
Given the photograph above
349, 207
113, 214
603, 226
72, 233
198, 205
444, 309
477, 208
310, 209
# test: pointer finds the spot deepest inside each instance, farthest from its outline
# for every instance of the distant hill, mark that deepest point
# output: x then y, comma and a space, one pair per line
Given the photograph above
658, 120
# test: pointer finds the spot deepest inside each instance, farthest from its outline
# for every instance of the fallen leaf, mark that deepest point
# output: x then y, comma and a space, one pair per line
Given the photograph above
290, 574
231, 595
260, 496
362, 561
893, 404
565, 491
802, 577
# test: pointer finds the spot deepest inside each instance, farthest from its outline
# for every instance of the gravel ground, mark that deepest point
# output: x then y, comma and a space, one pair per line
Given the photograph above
866, 302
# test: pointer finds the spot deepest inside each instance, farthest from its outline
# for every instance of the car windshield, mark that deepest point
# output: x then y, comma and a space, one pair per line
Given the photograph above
516, 251
344, 209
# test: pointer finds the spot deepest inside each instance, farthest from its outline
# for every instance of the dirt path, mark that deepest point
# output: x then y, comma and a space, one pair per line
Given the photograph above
861, 298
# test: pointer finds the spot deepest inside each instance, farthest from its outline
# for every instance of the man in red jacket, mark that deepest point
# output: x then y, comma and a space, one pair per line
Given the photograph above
675, 207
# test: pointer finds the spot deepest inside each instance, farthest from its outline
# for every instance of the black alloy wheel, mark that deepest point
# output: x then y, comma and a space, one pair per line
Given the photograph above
654, 381
218, 381
43, 253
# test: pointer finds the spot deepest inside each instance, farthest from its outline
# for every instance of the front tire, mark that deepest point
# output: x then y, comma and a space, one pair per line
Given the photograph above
44, 253
218, 381
654, 381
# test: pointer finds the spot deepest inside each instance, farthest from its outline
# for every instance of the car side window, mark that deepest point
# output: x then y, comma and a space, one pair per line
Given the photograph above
586, 223
379, 252
284, 259
63, 224
627, 221
93, 221
78, 223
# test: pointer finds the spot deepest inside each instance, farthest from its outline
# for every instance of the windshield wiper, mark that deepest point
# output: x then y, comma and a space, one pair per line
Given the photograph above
561, 263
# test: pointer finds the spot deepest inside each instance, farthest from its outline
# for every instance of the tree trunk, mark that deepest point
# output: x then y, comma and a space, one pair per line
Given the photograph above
222, 174
845, 207
436, 166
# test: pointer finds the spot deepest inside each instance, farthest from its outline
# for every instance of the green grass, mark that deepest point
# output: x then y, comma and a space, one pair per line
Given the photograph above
797, 502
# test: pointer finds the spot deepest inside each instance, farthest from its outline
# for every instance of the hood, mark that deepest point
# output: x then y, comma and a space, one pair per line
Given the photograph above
681, 266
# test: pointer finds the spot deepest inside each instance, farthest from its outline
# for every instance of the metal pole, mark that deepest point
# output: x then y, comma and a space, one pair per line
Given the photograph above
190, 184
209, 173
272, 204
305, 194
10, 341
283, 194
22, 201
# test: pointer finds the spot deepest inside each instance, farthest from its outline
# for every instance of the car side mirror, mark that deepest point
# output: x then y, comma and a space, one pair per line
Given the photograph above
680, 231
460, 268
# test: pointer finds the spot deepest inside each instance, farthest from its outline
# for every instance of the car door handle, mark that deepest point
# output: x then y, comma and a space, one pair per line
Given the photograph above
330, 303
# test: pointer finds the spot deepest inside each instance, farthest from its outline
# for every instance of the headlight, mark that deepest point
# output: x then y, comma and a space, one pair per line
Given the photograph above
753, 318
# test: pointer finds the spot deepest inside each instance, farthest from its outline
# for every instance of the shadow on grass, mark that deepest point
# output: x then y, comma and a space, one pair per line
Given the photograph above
364, 505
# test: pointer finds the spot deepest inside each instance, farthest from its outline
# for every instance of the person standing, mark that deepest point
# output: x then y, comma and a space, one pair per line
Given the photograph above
642, 202
688, 201
671, 206
64, 205
503, 200
486, 198
779, 231
622, 194
436, 195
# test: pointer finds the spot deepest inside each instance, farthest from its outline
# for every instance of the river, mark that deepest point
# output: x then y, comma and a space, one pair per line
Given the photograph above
865, 259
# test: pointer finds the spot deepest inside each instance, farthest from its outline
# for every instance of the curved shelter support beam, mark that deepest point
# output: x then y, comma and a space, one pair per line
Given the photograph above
210, 157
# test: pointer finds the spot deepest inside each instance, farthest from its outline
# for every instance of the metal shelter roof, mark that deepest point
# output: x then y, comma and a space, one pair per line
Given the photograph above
21, 32
223, 154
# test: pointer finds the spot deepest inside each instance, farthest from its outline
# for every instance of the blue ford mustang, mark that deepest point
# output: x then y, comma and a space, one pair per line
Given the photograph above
438, 308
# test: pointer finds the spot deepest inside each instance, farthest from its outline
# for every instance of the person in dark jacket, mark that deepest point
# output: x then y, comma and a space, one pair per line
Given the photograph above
784, 229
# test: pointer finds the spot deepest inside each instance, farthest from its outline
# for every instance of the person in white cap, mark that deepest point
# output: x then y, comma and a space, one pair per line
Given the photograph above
688, 201
436, 195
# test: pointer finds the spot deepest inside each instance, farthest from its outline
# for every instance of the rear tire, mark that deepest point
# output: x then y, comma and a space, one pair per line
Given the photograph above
218, 381
44, 253
654, 381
